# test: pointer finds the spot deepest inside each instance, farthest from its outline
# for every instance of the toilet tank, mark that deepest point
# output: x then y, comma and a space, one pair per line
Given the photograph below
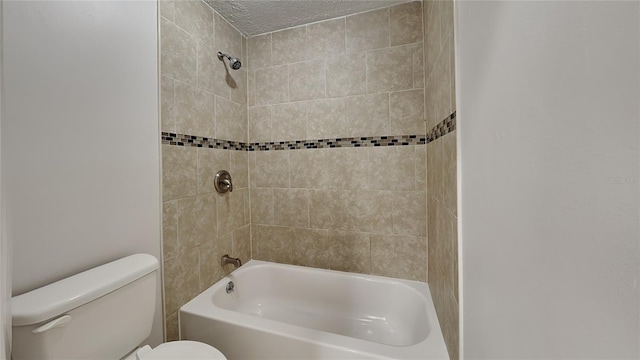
102, 313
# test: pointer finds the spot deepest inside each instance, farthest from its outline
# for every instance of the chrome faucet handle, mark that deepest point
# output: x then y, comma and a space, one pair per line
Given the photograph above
222, 182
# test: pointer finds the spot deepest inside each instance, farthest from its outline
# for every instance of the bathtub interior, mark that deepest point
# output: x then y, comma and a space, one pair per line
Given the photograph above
381, 310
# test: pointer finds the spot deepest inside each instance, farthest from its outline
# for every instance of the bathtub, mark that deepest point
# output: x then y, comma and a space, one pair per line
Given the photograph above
280, 311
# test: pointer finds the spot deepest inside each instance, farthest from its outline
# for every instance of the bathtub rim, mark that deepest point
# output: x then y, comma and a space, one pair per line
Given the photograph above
433, 346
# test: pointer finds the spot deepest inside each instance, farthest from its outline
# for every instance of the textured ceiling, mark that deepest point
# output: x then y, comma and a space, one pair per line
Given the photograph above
253, 17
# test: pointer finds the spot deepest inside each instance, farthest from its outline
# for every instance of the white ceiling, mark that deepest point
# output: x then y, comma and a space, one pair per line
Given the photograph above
254, 17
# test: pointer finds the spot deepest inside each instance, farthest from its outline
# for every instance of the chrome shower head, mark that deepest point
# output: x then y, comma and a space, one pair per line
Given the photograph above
233, 62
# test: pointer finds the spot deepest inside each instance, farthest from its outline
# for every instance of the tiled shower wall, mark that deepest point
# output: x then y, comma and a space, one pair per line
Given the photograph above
360, 209
441, 165
200, 96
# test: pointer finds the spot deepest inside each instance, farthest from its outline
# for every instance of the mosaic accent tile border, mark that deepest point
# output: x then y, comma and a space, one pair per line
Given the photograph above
444, 127
203, 142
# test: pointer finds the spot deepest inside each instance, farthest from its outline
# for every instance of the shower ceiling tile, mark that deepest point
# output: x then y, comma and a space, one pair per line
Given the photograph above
255, 17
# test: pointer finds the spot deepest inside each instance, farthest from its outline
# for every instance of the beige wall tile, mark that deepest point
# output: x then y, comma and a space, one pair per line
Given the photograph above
446, 233
210, 254
167, 9
212, 73
326, 38
245, 52
239, 169
409, 213
346, 75
259, 48
442, 94
252, 169
289, 46
418, 66
247, 207
167, 111
210, 161
432, 241
421, 168
262, 206
396, 256
406, 112
450, 326
446, 20
346, 168
326, 119
449, 181
178, 55
196, 17
196, 221
272, 85
406, 23
307, 80
452, 69
430, 103
272, 168
435, 185
251, 88
329, 209
369, 211
391, 168
238, 85
426, 259
242, 244
291, 207
170, 229
309, 168
289, 121
366, 115
311, 248
194, 111
390, 69
230, 211
231, 120
227, 39
350, 251
369, 30
432, 36
181, 282
272, 243
178, 172
260, 124
172, 333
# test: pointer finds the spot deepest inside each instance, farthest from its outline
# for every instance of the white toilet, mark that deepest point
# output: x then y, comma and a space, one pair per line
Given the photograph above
102, 313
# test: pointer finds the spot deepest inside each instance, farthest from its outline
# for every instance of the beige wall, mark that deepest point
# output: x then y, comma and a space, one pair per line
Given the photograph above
441, 169
351, 209
200, 96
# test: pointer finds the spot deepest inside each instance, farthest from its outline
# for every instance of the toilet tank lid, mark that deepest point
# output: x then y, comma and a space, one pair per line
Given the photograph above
67, 294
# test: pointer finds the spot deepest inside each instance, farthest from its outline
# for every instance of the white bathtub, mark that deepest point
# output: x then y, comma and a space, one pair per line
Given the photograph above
290, 312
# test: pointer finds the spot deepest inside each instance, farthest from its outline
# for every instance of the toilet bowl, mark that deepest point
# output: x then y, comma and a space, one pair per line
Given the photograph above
178, 350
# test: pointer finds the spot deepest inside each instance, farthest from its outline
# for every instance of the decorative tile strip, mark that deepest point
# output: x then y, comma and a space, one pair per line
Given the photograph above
444, 127
199, 141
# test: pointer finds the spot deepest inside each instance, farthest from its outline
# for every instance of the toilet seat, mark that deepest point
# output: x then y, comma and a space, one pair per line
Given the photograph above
183, 349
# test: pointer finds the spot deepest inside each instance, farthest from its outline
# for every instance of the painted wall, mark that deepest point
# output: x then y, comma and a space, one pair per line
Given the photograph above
201, 96
80, 137
442, 215
549, 156
359, 209
5, 263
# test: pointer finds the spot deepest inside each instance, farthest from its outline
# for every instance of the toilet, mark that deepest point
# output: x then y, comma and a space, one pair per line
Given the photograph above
103, 313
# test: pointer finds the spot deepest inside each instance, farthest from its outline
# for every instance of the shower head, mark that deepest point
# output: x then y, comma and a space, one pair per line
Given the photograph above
233, 62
